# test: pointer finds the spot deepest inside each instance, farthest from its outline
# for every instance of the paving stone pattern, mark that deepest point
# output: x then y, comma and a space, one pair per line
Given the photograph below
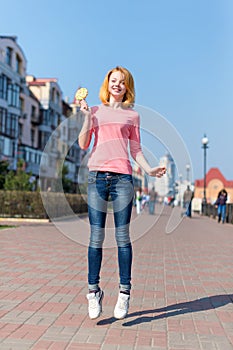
182, 296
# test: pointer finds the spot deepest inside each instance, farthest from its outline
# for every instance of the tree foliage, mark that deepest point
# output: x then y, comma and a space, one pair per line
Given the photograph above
3, 172
19, 180
66, 182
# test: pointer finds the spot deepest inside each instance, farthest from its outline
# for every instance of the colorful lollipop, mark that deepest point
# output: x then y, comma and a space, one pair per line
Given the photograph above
81, 94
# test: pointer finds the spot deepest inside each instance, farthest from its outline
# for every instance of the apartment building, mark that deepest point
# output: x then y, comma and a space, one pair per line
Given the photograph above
47, 91
165, 185
28, 132
33, 115
12, 81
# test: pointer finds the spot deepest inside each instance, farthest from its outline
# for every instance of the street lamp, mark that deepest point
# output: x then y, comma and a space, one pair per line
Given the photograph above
204, 142
180, 190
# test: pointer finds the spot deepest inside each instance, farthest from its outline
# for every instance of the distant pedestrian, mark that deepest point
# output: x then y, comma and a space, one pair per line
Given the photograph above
152, 199
139, 195
115, 126
145, 201
221, 205
187, 200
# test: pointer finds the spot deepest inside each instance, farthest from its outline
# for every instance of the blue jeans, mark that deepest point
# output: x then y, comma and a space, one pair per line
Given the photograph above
151, 207
222, 212
188, 207
101, 187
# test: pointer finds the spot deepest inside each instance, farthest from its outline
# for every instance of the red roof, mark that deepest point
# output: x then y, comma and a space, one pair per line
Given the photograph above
42, 81
214, 173
36, 83
46, 80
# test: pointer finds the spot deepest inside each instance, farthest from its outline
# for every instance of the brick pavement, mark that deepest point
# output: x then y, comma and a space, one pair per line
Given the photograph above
182, 297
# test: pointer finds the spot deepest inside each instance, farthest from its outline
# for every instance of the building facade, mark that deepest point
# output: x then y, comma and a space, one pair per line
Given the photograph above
32, 112
165, 186
12, 81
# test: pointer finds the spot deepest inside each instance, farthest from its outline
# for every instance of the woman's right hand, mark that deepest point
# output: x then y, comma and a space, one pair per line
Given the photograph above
84, 107
85, 133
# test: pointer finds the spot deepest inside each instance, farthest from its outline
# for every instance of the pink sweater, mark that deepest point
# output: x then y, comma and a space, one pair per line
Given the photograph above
114, 130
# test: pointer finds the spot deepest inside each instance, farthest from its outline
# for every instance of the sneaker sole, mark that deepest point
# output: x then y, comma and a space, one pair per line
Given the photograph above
120, 318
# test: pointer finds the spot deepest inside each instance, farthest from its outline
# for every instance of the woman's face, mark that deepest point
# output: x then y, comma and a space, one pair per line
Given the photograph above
116, 86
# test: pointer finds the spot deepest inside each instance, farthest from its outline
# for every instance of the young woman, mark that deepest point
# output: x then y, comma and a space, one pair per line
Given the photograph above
115, 125
221, 205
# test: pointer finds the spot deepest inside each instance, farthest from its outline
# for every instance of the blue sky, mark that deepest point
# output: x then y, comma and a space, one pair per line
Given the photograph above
179, 51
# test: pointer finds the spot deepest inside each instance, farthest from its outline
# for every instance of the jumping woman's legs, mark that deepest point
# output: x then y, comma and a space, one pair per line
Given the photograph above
97, 209
122, 195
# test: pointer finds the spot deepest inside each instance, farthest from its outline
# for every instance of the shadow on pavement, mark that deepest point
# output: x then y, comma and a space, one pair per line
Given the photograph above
198, 305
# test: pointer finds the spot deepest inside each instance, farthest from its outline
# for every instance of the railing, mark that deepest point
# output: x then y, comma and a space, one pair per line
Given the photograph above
212, 211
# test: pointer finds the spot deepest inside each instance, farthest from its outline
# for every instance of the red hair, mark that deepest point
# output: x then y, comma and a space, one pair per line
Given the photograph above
129, 97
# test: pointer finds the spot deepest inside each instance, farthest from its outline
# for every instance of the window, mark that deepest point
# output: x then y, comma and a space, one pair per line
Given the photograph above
33, 112
20, 131
9, 56
44, 116
3, 113
1, 145
37, 158
3, 87
13, 149
21, 104
8, 124
11, 126
43, 139
26, 155
9, 92
32, 136
53, 118
18, 64
33, 158
13, 91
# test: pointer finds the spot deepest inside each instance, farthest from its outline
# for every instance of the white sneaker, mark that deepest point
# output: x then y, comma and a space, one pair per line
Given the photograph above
95, 304
122, 306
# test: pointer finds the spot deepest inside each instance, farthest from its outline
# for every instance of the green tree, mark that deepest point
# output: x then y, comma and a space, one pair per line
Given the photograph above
19, 180
3, 172
66, 183
63, 183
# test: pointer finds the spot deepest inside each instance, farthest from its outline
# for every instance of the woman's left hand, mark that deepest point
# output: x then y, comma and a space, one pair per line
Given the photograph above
157, 171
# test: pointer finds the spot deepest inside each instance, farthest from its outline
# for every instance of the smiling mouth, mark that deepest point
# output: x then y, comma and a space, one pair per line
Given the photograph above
116, 89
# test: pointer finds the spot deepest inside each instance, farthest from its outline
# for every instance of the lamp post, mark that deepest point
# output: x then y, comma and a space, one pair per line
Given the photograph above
180, 190
204, 142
